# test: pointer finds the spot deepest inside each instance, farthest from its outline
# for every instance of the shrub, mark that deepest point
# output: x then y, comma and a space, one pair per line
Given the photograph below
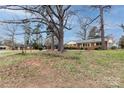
81, 48
99, 48
40, 48
71, 48
113, 47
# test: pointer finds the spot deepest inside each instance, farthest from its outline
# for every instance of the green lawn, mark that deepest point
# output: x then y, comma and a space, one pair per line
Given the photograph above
70, 69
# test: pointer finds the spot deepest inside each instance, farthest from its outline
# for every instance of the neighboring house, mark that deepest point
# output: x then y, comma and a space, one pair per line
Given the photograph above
72, 43
90, 44
3, 47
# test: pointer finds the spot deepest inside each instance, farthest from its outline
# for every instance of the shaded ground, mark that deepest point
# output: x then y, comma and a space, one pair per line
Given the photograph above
71, 69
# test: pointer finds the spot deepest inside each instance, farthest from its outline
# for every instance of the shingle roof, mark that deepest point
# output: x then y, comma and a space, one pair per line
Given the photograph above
90, 40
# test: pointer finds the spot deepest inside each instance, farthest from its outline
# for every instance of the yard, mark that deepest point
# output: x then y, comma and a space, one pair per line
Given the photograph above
70, 69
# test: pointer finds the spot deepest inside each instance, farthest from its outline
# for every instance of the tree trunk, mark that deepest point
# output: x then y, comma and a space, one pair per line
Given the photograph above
60, 45
85, 34
61, 42
13, 45
102, 27
61, 32
52, 41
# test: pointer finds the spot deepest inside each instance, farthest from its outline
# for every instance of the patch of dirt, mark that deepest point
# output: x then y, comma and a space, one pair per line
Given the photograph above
36, 73
34, 62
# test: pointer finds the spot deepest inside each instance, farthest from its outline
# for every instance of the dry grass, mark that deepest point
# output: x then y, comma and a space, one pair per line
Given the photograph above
70, 69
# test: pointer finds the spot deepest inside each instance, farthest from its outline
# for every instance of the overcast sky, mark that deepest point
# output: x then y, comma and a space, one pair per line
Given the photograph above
113, 18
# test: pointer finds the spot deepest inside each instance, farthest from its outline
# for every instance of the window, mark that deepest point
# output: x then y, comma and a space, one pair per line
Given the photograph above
83, 44
97, 43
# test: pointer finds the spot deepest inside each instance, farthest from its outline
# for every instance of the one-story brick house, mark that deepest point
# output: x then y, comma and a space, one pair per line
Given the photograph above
90, 44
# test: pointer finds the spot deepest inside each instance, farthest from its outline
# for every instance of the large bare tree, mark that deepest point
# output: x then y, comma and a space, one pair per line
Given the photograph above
58, 18
54, 15
122, 26
11, 33
102, 9
84, 28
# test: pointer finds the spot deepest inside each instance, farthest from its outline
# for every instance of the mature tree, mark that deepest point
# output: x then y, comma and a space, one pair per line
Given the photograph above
58, 15
51, 36
101, 9
51, 41
11, 33
93, 33
54, 15
121, 42
84, 28
85, 25
37, 36
122, 26
27, 35
1, 40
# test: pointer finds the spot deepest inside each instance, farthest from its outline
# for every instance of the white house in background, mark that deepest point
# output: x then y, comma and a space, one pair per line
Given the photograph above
72, 43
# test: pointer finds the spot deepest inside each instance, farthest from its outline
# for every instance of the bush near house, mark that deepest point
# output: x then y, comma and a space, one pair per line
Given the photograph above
113, 47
